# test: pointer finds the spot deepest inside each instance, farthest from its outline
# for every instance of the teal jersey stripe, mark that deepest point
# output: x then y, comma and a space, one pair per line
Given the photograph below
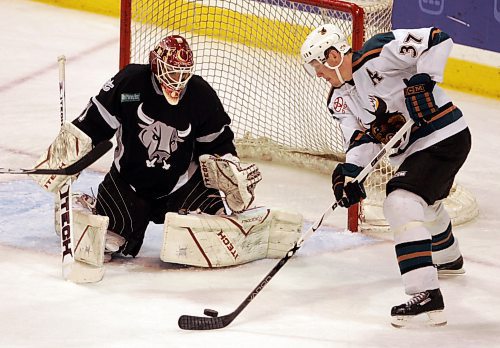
371, 49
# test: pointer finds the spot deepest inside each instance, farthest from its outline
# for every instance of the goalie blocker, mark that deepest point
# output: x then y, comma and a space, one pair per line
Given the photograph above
70, 145
204, 240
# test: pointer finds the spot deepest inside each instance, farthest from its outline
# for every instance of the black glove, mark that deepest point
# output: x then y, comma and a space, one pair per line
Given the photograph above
350, 193
419, 99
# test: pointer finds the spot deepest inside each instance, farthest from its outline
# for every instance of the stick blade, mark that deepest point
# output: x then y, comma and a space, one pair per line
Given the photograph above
189, 322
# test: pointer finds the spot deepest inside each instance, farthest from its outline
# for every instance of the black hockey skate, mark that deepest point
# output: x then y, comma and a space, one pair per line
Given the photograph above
451, 268
429, 302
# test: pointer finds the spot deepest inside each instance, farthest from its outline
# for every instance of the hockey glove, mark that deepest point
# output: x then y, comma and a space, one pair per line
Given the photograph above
419, 99
236, 180
352, 192
69, 146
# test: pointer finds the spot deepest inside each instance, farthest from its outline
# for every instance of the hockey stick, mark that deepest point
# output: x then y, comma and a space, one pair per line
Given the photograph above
64, 194
72, 268
189, 322
88, 159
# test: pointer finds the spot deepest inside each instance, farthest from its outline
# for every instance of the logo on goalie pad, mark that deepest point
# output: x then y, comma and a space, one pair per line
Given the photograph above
65, 222
401, 173
228, 244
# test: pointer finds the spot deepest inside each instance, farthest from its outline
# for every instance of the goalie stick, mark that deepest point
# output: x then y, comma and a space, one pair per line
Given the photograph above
189, 322
88, 159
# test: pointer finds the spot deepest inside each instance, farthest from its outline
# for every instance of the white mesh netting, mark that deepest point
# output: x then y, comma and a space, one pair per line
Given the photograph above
248, 50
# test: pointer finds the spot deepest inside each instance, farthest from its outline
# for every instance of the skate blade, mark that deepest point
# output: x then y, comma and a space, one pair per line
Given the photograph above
435, 318
450, 272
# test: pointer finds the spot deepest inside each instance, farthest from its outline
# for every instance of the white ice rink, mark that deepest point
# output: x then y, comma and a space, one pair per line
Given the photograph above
336, 292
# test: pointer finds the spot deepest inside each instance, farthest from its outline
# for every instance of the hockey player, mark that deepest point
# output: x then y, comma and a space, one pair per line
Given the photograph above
374, 91
175, 153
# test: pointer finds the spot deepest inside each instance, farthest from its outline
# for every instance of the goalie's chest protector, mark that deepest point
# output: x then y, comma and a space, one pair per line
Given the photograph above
158, 143
156, 140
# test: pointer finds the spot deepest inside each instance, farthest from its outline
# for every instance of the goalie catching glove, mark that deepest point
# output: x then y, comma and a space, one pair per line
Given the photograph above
228, 175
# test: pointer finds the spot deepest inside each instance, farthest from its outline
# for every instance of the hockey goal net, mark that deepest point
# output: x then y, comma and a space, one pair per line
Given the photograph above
248, 50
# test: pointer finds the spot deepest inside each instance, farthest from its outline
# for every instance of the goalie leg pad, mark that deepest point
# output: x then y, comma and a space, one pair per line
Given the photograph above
285, 231
69, 146
226, 240
90, 237
90, 230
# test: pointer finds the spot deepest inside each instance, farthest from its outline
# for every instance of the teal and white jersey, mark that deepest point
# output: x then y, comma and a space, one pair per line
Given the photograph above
378, 72
345, 105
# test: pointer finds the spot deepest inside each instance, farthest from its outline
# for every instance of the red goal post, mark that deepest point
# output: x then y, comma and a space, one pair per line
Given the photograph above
248, 50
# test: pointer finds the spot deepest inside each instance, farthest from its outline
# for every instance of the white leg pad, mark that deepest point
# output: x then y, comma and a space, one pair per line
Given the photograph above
90, 237
90, 234
285, 230
219, 240
84, 273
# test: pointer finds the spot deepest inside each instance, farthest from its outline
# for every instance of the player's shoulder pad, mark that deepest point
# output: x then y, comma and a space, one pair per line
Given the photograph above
197, 81
436, 36
136, 69
201, 93
135, 75
371, 49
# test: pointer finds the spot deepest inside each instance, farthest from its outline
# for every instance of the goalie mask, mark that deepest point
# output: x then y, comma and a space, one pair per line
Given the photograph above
172, 64
315, 49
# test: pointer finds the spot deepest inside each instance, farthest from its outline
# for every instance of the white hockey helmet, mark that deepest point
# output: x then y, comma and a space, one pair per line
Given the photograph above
318, 42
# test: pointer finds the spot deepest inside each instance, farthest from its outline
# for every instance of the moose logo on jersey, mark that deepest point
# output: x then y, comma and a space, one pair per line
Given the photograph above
386, 123
159, 139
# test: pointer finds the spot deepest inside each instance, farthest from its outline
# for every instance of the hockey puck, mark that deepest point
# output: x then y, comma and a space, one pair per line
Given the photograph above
211, 313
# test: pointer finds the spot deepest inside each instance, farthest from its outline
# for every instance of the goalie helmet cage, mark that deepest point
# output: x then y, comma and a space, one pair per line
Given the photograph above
249, 51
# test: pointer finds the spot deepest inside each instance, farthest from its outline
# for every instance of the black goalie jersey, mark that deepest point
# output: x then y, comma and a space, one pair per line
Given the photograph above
158, 143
